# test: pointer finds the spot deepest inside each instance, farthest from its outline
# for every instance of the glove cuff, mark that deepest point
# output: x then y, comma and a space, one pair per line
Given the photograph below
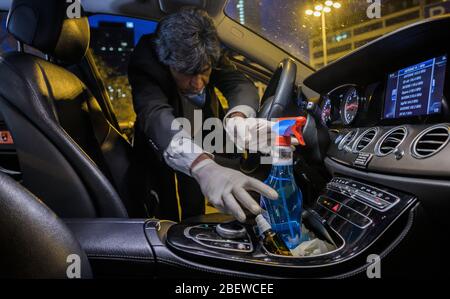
248, 111
201, 165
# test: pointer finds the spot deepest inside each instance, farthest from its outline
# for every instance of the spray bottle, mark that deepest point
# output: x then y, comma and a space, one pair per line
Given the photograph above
284, 213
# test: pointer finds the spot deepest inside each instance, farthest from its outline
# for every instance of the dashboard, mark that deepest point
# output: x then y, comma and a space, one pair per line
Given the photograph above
386, 105
410, 93
385, 117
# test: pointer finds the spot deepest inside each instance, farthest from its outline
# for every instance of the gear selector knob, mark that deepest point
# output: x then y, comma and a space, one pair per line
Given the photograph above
231, 230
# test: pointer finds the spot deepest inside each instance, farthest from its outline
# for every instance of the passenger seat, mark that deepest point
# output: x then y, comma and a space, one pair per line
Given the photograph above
70, 155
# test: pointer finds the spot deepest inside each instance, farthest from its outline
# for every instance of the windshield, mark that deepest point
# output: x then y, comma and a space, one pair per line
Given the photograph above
319, 32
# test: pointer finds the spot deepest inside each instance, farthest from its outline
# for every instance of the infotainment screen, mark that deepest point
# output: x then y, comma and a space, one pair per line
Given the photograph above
416, 90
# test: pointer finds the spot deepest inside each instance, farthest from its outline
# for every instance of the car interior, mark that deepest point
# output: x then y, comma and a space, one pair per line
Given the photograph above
375, 175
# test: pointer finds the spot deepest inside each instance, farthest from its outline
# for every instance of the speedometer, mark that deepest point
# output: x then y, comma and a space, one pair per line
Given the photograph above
350, 106
326, 112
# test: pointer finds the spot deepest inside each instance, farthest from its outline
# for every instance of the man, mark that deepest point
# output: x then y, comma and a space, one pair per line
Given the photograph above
172, 74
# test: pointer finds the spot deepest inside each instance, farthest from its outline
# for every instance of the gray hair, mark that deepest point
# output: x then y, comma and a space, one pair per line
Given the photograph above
187, 41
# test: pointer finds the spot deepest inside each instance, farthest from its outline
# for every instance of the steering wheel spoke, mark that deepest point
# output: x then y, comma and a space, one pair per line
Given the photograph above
278, 96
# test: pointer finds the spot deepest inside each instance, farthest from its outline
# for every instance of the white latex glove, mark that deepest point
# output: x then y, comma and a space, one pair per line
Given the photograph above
226, 189
254, 134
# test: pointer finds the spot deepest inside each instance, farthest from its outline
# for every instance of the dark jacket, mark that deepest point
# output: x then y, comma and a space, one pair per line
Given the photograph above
157, 103
156, 100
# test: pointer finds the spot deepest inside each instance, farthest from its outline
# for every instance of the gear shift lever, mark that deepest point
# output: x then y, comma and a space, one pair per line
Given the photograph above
231, 230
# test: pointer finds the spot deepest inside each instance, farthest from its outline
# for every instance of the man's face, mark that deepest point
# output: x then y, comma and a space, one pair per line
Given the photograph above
192, 84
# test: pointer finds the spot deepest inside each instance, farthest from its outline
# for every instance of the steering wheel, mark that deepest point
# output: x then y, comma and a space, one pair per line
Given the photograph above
279, 93
274, 104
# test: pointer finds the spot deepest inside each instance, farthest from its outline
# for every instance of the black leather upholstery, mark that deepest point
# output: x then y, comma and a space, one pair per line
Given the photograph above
122, 239
70, 155
41, 96
44, 25
35, 243
115, 247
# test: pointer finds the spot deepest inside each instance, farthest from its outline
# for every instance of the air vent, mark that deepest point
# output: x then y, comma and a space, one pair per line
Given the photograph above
365, 139
431, 141
390, 141
348, 138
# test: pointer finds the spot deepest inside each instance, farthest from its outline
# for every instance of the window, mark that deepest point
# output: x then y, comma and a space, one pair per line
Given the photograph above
239, 59
113, 39
296, 25
339, 49
363, 42
403, 18
368, 28
278, 21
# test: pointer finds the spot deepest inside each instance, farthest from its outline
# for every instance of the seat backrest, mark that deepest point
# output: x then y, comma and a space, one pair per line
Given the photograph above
35, 242
70, 155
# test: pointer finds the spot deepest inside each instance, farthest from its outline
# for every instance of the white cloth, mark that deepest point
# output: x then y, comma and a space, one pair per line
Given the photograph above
312, 246
226, 189
182, 152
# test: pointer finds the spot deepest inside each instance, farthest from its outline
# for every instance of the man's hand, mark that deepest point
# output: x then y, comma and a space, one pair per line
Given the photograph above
254, 134
227, 189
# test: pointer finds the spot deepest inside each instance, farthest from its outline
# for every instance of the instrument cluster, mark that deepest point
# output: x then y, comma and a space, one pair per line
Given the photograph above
342, 106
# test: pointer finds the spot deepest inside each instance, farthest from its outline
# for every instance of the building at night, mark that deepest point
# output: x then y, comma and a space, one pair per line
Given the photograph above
113, 42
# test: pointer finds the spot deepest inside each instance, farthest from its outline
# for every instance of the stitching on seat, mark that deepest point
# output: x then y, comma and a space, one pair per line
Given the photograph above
241, 275
120, 256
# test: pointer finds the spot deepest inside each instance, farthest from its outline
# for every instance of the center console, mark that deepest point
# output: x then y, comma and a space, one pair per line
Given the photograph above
358, 218
349, 214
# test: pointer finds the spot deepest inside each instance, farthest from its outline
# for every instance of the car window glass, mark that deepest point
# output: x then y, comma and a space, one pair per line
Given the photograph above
321, 31
113, 39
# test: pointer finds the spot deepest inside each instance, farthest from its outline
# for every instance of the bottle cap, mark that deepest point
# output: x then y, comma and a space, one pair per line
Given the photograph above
262, 223
287, 127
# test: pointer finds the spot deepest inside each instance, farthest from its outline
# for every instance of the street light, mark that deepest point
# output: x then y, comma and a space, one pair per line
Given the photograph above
320, 10
337, 5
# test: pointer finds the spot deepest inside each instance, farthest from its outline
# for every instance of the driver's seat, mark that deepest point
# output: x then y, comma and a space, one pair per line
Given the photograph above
70, 155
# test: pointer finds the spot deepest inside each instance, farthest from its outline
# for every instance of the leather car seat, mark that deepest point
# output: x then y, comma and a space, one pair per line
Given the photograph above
70, 155
35, 242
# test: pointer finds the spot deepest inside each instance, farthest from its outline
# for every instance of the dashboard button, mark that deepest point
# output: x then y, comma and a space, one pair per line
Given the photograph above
345, 212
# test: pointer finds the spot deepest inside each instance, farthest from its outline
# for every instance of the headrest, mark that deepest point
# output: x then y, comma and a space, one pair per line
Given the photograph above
55, 27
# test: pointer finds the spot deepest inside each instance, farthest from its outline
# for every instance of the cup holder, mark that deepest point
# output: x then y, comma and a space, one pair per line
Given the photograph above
322, 231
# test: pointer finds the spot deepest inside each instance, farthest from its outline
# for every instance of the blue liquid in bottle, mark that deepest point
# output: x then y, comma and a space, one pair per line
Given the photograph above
284, 213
